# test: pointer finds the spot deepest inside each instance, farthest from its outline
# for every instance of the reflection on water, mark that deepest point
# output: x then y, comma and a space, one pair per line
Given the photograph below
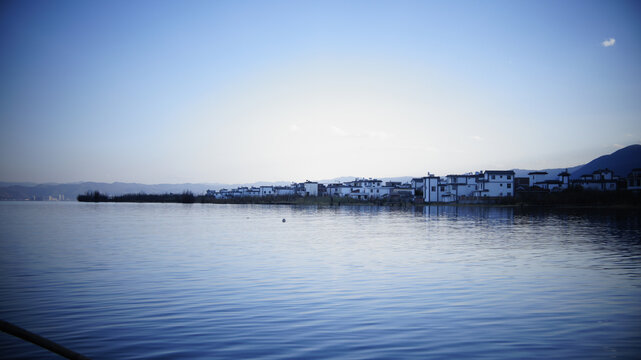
230, 281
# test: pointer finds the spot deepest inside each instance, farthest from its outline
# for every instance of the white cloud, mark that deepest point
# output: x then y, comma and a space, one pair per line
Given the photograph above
420, 148
380, 135
294, 128
340, 132
618, 146
476, 137
609, 42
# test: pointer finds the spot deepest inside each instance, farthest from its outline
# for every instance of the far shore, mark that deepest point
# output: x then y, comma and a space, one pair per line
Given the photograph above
583, 200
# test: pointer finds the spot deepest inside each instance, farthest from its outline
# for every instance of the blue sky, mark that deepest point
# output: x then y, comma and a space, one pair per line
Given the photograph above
242, 91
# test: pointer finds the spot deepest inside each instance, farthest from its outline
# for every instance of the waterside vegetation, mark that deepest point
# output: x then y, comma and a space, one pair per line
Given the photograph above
96, 196
575, 197
189, 198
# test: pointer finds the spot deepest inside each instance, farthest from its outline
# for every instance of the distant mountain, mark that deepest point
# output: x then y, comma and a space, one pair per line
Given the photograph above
552, 173
335, 180
402, 179
69, 191
621, 162
5, 183
342, 179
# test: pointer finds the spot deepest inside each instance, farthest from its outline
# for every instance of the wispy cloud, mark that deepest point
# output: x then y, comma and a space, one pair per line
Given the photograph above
419, 148
294, 128
476, 138
375, 135
609, 42
340, 132
618, 146
380, 135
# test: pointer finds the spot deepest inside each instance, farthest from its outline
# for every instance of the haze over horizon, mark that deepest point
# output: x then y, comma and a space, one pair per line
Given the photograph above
238, 92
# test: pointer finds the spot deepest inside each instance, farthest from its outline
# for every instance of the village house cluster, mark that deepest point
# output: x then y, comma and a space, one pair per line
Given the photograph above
599, 180
488, 184
308, 188
431, 188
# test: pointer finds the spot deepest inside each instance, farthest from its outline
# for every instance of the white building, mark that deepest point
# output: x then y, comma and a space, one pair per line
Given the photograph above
496, 183
458, 187
403, 192
385, 192
311, 188
334, 189
603, 175
366, 189
266, 190
344, 190
357, 194
431, 189
537, 178
634, 179
564, 179
599, 180
417, 184
224, 194
550, 185
284, 191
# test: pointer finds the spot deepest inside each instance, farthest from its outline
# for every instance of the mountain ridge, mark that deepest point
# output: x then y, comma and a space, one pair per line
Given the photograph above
552, 173
621, 162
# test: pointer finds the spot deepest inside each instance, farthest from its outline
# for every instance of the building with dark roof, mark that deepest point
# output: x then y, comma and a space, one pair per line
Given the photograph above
633, 179
599, 180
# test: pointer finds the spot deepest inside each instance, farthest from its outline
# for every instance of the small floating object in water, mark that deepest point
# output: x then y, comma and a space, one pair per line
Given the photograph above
284, 220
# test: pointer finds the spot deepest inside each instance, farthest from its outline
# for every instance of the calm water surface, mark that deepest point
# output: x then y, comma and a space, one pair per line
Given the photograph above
168, 281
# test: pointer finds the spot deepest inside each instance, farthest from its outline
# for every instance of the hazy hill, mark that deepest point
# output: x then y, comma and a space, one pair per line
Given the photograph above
69, 191
6, 183
621, 162
342, 179
552, 173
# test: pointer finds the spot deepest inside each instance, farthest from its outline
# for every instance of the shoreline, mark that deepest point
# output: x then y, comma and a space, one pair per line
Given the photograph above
615, 204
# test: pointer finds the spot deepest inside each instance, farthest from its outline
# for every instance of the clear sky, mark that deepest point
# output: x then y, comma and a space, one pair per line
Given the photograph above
242, 91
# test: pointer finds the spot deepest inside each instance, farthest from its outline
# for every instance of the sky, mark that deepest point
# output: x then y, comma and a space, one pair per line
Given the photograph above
244, 91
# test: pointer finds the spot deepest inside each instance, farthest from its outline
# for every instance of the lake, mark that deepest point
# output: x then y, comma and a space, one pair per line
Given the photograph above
203, 281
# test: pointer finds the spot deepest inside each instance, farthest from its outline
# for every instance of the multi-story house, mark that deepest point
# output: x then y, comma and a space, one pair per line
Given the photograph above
599, 180
496, 183
266, 190
537, 178
634, 179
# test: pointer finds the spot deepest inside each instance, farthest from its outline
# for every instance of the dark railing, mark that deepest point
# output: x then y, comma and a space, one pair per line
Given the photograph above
40, 341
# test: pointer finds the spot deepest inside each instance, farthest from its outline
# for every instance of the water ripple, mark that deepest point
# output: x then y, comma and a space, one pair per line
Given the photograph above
168, 281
